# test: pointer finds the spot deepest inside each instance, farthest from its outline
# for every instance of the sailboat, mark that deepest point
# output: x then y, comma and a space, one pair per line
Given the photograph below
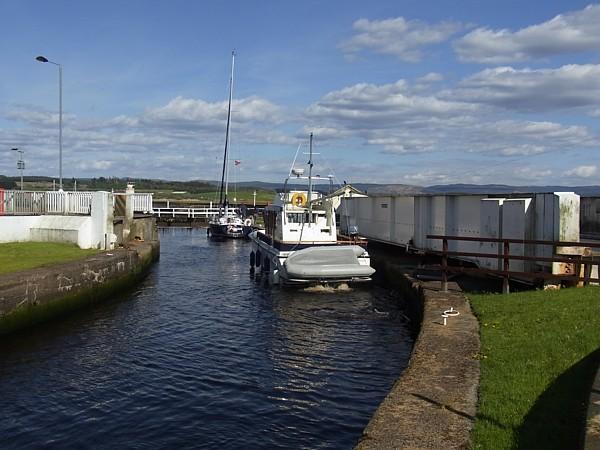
300, 243
227, 223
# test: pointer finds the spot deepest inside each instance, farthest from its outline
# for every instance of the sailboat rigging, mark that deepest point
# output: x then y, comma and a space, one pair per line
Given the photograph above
227, 224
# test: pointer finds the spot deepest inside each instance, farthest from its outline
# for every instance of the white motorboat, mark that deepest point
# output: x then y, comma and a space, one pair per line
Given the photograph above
300, 243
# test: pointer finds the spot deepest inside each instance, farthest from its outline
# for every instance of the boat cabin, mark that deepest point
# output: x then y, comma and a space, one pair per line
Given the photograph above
292, 218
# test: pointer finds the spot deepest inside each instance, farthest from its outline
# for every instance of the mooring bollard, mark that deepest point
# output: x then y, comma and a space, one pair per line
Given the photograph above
449, 313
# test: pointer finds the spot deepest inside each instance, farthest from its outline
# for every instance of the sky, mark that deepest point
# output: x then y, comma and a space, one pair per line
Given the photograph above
398, 91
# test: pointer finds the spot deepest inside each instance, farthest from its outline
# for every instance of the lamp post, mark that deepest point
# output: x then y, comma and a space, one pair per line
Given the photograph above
20, 163
46, 60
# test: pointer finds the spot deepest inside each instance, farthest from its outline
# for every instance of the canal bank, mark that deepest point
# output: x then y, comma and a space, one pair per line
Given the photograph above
433, 403
33, 296
201, 355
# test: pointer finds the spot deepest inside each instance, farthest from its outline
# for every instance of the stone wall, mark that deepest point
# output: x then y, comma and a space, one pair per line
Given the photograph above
433, 403
36, 295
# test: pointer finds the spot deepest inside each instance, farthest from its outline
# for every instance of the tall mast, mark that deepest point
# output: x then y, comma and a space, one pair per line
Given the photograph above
310, 166
225, 174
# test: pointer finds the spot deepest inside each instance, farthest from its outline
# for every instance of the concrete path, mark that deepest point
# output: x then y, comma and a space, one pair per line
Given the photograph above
433, 404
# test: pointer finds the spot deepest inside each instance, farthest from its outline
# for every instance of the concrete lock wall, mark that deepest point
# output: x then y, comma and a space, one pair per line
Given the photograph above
93, 231
407, 220
71, 229
16, 228
36, 295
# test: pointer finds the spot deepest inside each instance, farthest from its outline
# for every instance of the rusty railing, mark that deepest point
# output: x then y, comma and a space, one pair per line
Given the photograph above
578, 261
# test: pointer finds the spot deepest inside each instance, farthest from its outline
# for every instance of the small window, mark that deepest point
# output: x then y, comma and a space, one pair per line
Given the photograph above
384, 205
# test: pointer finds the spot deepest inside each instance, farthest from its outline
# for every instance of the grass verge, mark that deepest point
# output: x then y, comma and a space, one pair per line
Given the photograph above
28, 255
539, 354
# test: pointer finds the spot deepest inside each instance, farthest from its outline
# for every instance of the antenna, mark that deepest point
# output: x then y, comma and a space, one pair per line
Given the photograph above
310, 166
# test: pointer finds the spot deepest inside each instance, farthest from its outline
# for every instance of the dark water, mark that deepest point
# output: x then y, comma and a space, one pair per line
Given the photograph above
202, 356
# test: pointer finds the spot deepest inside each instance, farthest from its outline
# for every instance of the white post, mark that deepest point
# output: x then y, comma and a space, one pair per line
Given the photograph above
102, 220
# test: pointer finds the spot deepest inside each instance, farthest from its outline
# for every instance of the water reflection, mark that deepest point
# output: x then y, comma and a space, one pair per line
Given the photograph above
201, 355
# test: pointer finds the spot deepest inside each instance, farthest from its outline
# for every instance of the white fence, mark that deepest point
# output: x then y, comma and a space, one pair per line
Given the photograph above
142, 203
62, 203
204, 212
68, 202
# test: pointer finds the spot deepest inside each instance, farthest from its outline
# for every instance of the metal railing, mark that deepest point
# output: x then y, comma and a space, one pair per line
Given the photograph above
142, 203
38, 203
78, 203
61, 203
203, 212
577, 262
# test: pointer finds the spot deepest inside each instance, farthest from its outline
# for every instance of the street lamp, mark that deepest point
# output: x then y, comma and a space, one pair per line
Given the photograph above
20, 163
46, 60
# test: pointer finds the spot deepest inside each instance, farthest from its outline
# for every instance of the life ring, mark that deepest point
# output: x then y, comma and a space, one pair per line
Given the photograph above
299, 199
248, 222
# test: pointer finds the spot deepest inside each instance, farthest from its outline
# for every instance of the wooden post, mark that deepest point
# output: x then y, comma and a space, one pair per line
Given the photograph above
587, 266
577, 266
506, 267
444, 265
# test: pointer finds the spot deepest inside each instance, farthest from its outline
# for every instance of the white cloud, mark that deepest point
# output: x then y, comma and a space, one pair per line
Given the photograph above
431, 77
529, 90
522, 150
179, 131
364, 106
531, 175
569, 33
35, 117
95, 165
595, 113
398, 37
583, 171
186, 112
396, 120
427, 177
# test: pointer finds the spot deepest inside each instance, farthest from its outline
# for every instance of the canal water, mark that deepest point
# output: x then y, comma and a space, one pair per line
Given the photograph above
200, 355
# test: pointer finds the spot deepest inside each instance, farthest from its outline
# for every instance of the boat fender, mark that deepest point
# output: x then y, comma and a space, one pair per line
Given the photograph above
298, 199
248, 222
258, 258
252, 259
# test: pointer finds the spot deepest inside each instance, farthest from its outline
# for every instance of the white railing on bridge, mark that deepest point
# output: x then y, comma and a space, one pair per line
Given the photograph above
56, 202
142, 203
68, 202
202, 212
37, 203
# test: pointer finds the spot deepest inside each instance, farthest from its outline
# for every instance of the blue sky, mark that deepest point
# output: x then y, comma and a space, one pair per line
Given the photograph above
395, 91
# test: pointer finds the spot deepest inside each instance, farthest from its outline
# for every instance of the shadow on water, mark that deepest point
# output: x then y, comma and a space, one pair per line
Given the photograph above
201, 355
557, 419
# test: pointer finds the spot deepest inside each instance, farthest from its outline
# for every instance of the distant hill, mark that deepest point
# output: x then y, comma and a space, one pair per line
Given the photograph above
366, 187
40, 182
584, 191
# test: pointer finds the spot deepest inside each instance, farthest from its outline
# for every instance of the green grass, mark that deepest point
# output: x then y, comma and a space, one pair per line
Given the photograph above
539, 354
27, 255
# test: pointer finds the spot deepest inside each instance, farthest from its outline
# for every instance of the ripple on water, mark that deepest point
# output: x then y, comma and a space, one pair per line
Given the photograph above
200, 355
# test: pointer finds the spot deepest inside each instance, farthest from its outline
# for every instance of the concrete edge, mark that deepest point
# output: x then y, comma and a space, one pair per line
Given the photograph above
33, 296
592, 429
433, 403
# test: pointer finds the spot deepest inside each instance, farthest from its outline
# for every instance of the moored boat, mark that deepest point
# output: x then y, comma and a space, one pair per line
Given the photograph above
227, 223
300, 243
